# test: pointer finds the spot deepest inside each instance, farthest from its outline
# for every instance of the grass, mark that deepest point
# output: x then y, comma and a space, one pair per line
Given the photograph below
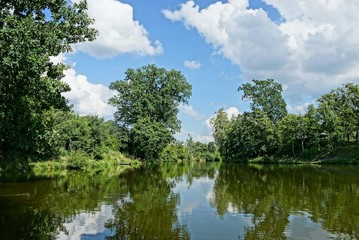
347, 154
113, 162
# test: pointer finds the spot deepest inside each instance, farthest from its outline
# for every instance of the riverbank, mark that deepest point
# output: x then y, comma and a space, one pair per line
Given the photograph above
348, 154
112, 162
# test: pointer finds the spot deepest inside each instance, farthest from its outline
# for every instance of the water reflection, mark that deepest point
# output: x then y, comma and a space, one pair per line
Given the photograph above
197, 201
149, 211
275, 196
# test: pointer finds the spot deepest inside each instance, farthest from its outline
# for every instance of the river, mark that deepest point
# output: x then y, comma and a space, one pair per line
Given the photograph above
186, 201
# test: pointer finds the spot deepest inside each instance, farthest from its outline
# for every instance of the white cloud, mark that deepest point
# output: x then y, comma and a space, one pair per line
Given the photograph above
88, 98
315, 47
201, 136
299, 109
192, 64
232, 112
188, 110
119, 33
199, 132
61, 58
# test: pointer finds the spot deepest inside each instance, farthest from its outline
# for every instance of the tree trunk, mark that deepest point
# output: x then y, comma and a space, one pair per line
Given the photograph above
302, 140
293, 150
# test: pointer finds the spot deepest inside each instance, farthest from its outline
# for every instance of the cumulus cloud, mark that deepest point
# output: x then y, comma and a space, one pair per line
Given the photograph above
200, 136
61, 58
313, 49
119, 33
189, 110
192, 64
231, 112
299, 109
88, 98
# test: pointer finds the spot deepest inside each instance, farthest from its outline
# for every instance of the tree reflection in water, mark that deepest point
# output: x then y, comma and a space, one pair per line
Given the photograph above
149, 210
272, 202
274, 193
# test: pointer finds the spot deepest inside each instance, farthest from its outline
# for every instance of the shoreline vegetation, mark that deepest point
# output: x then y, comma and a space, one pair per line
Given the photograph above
113, 163
41, 134
326, 132
346, 155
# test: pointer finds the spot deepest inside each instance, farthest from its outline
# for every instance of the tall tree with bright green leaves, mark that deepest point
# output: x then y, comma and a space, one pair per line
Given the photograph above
147, 104
221, 127
266, 95
31, 32
344, 103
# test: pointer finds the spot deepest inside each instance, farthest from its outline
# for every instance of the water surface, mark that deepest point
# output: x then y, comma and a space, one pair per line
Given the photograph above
188, 201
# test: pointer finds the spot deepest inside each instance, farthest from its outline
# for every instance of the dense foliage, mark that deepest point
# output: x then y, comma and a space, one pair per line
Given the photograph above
269, 131
190, 151
69, 132
30, 84
36, 121
147, 106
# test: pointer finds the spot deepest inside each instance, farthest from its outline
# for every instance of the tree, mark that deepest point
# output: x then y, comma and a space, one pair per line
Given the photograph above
290, 133
31, 32
91, 135
344, 103
258, 134
148, 139
221, 128
147, 105
266, 96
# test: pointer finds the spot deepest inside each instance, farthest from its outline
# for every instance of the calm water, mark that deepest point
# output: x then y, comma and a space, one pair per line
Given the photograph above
198, 201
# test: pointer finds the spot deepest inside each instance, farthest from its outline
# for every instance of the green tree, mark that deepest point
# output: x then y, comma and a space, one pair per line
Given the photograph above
147, 105
176, 152
343, 102
31, 32
258, 134
150, 92
221, 128
148, 139
266, 96
68, 132
288, 128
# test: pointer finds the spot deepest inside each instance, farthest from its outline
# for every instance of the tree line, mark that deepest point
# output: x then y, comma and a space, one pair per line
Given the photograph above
268, 130
37, 122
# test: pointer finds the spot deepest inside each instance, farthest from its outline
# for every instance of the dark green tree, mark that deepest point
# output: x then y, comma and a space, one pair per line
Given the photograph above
221, 128
258, 135
266, 96
148, 139
343, 102
291, 134
31, 32
147, 105
69, 132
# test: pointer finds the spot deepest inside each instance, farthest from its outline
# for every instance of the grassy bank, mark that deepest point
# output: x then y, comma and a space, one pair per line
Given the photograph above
348, 154
113, 162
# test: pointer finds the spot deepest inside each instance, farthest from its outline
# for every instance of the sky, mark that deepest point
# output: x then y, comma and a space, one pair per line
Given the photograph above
309, 46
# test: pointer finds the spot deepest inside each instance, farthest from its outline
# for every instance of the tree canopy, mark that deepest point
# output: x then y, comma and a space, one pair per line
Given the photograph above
266, 95
268, 131
30, 84
147, 106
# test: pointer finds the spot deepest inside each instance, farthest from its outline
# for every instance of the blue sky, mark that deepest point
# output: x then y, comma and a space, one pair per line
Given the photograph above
310, 46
